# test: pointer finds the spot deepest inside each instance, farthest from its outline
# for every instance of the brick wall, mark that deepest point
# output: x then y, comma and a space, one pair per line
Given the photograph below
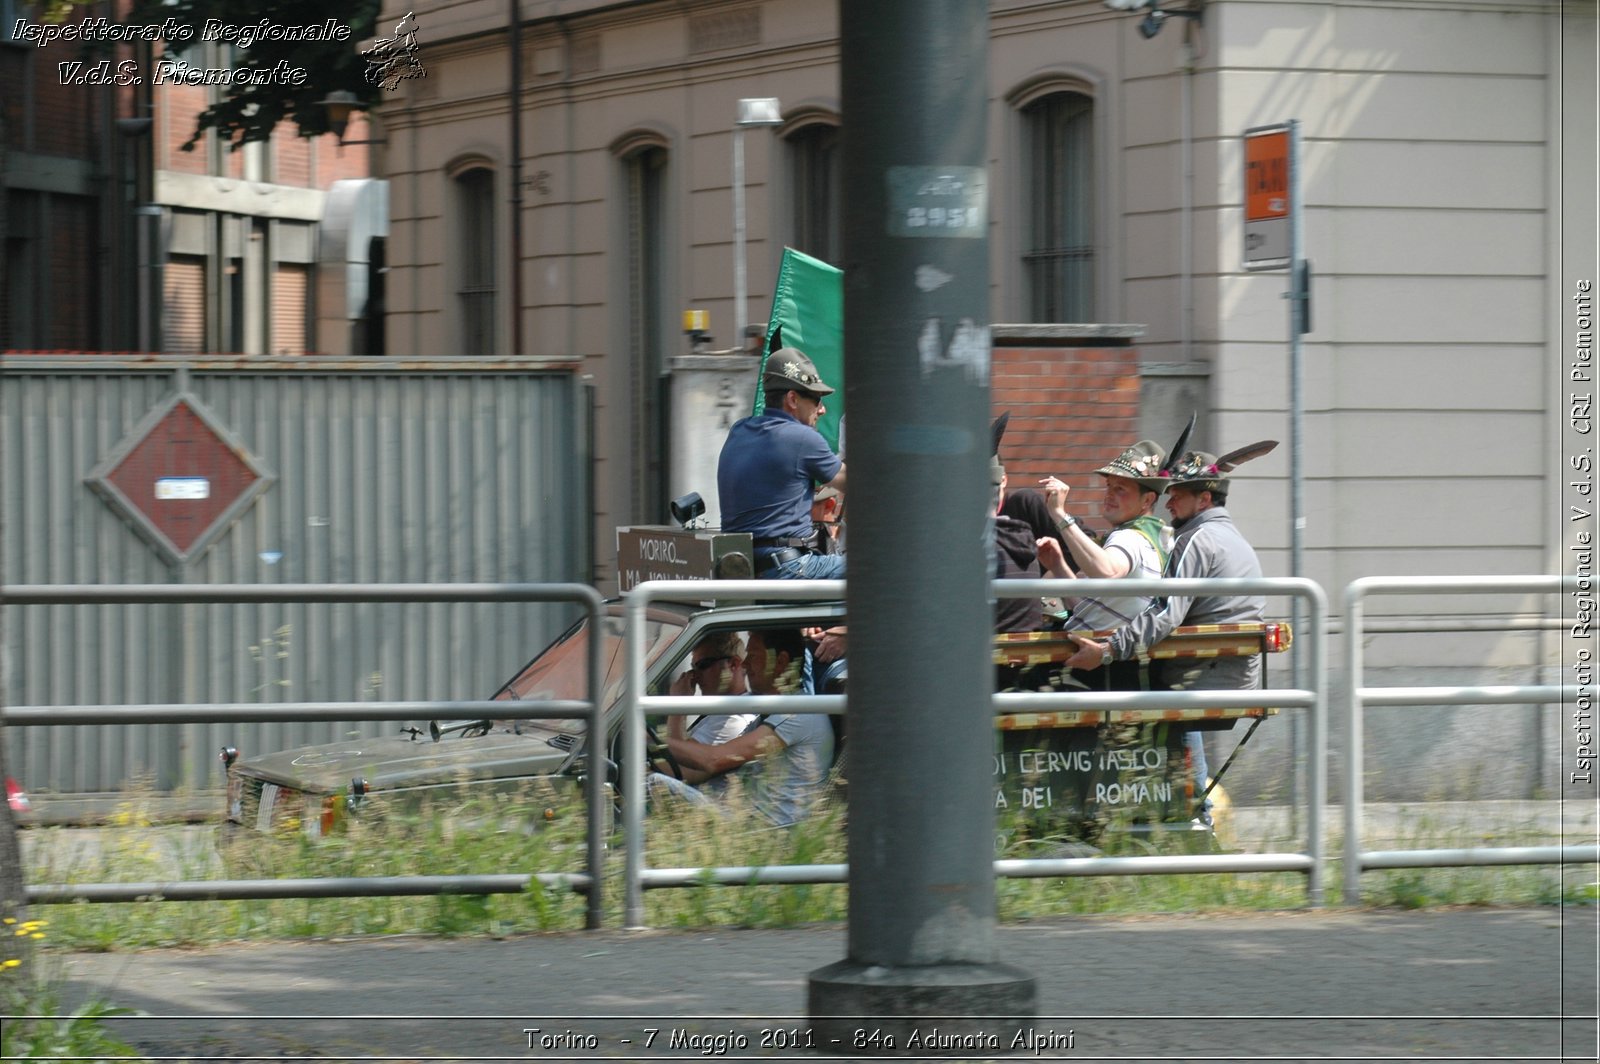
1073, 396
332, 162
291, 157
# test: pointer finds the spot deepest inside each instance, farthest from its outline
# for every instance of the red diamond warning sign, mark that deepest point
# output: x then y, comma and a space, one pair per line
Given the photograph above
180, 478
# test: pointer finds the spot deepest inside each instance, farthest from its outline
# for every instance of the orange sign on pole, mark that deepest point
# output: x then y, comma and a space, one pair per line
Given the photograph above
1266, 198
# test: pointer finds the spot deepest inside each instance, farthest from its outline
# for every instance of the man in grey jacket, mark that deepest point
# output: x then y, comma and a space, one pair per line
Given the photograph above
1208, 544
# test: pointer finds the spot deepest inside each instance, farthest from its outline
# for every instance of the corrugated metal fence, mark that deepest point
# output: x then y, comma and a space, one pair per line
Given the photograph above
399, 471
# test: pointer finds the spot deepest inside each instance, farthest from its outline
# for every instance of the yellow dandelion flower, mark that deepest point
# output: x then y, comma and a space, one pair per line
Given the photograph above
9, 920
10, 963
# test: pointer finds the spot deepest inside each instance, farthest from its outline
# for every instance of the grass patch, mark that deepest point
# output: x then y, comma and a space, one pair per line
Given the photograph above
530, 834
1420, 888
495, 835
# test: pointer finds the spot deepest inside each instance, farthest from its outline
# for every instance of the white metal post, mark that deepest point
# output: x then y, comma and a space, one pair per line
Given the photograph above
755, 111
739, 284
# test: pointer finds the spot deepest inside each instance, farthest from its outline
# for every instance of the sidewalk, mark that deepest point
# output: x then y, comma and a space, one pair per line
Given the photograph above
1477, 984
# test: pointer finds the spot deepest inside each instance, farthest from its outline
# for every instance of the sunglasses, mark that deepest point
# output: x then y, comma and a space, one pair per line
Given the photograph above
705, 663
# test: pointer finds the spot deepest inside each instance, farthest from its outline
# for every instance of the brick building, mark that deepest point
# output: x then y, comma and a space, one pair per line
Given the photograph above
116, 239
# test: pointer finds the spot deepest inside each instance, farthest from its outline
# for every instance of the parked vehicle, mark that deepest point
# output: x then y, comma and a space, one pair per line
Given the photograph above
314, 788
1075, 773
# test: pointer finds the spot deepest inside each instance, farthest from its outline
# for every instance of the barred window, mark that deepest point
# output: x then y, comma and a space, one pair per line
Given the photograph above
476, 255
814, 156
1059, 258
645, 175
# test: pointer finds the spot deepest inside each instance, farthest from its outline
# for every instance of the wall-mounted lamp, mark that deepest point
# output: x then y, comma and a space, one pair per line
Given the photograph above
1155, 16
340, 104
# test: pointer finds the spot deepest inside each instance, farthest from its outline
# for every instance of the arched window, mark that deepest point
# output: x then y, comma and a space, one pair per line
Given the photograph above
1058, 166
475, 254
814, 187
645, 181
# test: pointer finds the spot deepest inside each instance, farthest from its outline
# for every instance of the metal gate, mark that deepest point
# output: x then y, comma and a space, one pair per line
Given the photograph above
239, 470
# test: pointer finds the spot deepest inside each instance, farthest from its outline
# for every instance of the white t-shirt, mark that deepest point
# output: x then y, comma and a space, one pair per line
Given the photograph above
1101, 614
783, 785
714, 729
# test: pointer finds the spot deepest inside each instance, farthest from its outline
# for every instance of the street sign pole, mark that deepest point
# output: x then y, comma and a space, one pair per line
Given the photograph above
1274, 239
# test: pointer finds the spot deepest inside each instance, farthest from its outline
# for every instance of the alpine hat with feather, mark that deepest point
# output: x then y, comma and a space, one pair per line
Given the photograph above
1140, 463
1199, 471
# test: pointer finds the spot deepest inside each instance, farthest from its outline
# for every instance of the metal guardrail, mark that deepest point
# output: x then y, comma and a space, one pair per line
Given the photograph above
591, 883
637, 704
1359, 697
638, 877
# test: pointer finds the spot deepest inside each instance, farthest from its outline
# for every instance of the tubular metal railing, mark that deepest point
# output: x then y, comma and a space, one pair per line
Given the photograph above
637, 704
591, 882
1359, 697
637, 877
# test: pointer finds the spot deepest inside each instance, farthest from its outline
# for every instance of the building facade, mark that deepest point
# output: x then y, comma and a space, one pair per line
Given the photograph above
1448, 204
117, 239
1434, 213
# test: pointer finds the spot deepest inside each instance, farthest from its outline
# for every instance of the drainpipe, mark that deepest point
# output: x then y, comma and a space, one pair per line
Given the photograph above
569, 122
1186, 221
149, 268
516, 177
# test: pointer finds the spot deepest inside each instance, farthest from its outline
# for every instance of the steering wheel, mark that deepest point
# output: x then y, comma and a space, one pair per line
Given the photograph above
656, 748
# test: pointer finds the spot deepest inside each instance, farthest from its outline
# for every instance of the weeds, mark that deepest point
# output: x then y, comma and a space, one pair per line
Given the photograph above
34, 1029
528, 833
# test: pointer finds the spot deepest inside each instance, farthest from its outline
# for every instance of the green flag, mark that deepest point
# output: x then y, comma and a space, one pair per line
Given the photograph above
808, 313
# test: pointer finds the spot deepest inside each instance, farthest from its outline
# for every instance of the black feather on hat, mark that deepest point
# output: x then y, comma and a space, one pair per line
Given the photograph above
997, 429
1176, 454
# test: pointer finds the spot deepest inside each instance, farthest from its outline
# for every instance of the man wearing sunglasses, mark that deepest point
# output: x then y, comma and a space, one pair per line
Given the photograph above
783, 758
716, 667
770, 466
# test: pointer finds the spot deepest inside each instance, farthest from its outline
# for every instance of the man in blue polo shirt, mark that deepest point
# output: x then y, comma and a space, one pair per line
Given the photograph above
770, 466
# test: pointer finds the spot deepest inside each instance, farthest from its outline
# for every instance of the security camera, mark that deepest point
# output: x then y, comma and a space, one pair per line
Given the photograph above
1151, 24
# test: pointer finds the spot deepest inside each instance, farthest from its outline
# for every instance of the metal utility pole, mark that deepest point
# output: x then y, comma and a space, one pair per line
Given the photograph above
921, 947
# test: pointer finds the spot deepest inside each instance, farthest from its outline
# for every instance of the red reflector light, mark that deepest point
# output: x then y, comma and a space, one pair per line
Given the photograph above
1278, 637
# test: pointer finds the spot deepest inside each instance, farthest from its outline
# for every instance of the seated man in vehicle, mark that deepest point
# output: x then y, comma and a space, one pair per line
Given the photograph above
716, 667
784, 757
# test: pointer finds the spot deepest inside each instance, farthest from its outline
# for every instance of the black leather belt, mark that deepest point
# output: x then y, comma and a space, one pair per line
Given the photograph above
805, 543
779, 557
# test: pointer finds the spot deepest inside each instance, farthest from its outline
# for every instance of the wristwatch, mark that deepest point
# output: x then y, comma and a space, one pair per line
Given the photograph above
1105, 657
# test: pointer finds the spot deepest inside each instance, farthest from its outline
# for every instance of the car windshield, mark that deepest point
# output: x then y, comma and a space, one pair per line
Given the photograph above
561, 672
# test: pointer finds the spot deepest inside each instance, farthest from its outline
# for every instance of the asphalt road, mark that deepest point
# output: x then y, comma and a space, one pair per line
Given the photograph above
1461, 984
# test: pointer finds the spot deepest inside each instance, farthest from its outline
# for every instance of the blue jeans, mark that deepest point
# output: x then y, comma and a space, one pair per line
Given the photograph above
1195, 743
808, 567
